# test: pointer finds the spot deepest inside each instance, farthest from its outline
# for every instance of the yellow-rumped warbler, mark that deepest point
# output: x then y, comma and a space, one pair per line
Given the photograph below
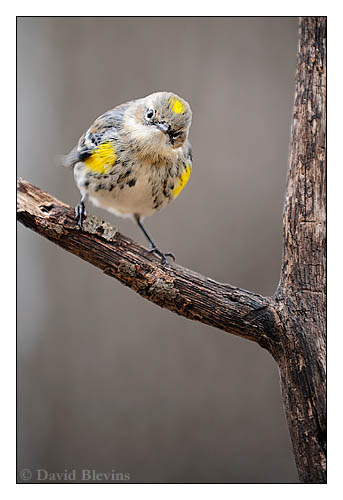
135, 158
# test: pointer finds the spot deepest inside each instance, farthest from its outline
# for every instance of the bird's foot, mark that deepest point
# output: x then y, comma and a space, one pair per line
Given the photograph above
163, 256
80, 213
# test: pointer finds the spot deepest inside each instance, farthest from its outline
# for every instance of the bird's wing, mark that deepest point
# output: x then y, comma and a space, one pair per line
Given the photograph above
104, 130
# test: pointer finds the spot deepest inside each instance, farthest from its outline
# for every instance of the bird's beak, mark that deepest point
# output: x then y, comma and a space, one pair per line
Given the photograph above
163, 126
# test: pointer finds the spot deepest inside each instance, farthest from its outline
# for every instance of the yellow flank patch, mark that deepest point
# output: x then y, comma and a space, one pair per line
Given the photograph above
182, 181
102, 158
176, 106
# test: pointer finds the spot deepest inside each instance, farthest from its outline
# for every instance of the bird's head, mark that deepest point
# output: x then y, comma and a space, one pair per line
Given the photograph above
161, 122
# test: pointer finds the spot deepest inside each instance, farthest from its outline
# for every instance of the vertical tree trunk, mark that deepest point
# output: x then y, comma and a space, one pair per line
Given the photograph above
301, 295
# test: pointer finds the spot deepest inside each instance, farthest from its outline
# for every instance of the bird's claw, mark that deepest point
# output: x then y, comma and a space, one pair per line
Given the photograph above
163, 256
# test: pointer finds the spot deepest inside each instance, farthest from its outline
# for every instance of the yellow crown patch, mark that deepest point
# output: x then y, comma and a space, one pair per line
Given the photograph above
176, 106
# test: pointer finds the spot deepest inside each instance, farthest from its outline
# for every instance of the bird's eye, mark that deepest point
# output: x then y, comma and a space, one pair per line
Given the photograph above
149, 114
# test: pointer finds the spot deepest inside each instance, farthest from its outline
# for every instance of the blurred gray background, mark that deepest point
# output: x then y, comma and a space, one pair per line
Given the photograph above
107, 380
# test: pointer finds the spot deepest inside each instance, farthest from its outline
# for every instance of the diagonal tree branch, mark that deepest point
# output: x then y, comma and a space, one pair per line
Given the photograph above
173, 287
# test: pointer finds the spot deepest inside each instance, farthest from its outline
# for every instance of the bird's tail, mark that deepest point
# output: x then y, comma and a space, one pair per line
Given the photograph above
69, 160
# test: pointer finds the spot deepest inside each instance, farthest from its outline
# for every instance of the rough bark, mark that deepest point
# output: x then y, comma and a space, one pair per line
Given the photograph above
301, 295
290, 325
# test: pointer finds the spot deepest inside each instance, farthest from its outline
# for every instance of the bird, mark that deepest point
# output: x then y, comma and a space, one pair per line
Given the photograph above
134, 159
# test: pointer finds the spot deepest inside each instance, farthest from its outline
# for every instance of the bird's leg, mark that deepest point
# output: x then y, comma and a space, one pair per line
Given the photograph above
80, 211
153, 248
